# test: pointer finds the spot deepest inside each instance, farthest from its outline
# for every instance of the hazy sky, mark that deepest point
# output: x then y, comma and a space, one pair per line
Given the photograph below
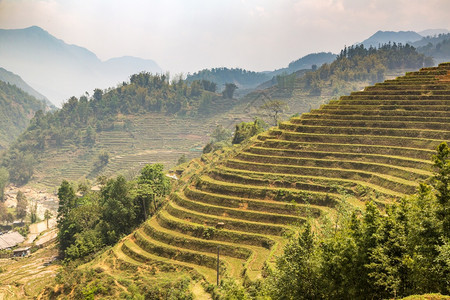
189, 35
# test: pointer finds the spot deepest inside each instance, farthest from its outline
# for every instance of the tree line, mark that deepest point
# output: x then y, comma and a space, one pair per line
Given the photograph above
93, 220
80, 119
356, 63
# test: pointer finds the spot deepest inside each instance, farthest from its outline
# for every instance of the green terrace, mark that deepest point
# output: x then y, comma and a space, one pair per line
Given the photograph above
374, 144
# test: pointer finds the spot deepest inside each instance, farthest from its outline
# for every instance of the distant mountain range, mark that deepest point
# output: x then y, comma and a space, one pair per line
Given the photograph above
58, 70
410, 37
384, 37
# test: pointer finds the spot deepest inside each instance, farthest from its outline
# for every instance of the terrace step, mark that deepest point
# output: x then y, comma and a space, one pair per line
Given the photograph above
389, 182
386, 140
401, 113
253, 204
184, 226
177, 239
247, 215
381, 107
200, 258
230, 223
391, 124
254, 256
130, 248
336, 185
209, 184
372, 118
403, 161
414, 153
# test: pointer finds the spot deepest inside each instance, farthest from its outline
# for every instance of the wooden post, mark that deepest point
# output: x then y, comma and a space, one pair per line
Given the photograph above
218, 264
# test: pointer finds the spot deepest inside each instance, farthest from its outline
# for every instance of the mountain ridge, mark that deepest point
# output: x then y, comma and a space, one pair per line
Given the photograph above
77, 69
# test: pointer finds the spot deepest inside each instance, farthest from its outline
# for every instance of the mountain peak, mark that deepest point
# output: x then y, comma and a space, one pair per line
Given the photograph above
384, 37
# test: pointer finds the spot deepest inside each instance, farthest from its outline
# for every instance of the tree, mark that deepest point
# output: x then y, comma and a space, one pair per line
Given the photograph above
246, 130
22, 204
273, 108
47, 216
220, 133
229, 90
67, 199
33, 214
154, 177
297, 274
98, 95
21, 167
4, 177
118, 209
441, 183
182, 159
3, 212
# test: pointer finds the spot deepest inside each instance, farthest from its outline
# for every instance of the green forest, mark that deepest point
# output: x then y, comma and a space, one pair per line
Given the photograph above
357, 63
16, 109
80, 119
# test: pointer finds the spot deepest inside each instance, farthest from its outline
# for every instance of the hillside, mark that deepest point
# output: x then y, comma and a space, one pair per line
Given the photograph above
374, 144
11, 78
353, 69
437, 47
59, 70
16, 110
146, 120
154, 119
246, 81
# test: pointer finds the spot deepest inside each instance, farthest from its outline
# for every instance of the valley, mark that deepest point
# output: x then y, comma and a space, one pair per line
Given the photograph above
325, 179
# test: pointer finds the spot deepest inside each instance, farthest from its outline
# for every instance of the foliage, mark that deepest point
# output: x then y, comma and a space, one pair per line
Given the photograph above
437, 47
373, 255
221, 76
3, 211
20, 165
441, 183
220, 138
33, 214
47, 216
183, 159
16, 109
87, 223
246, 130
94, 283
4, 177
80, 120
22, 204
356, 63
228, 92
297, 270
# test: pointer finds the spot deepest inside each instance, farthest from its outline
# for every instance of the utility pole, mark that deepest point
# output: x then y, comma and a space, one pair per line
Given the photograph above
218, 251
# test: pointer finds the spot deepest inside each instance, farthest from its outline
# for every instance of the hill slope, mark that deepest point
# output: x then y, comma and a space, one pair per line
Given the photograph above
16, 110
374, 144
14, 79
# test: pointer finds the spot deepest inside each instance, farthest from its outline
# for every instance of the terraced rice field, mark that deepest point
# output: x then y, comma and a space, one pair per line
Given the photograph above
374, 144
152, 138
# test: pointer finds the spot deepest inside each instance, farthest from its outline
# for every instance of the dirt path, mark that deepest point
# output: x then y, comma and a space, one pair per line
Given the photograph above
199, 292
